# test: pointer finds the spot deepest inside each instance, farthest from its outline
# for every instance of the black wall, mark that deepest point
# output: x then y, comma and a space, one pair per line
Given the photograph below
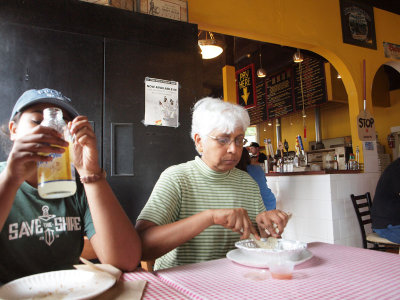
99, 57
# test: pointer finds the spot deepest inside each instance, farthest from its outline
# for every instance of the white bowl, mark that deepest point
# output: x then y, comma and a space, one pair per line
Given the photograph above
285, 249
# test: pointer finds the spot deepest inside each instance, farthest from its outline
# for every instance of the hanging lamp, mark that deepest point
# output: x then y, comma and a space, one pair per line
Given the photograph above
297, 56
261, 73
210, 47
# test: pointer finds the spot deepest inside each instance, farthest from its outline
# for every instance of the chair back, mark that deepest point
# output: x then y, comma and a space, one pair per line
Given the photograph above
362, 205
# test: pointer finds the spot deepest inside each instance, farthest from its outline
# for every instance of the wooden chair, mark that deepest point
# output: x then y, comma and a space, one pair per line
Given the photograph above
147, 265
362, 205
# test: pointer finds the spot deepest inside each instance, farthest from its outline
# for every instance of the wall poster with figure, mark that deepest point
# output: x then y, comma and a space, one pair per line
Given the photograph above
161, 102
171, 9
358, 25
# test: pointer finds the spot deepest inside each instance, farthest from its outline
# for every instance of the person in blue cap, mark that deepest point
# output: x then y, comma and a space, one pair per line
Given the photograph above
40, 235
254, 149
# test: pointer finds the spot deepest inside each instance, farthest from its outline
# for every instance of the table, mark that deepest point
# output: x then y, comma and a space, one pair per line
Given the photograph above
334, 272
155, 288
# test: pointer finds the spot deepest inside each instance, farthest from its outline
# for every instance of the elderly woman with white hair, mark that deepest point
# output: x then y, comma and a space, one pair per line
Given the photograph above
199, 209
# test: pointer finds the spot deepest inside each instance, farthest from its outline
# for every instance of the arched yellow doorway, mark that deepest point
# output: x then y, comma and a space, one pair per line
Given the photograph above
386, 105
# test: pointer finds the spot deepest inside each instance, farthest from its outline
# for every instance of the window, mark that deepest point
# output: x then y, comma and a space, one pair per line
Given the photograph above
251, 135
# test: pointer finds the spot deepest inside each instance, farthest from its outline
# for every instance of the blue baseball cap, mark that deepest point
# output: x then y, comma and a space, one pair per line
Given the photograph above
254, 144
31, 97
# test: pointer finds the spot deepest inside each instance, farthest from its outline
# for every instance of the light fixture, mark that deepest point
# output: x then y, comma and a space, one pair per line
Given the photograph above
297, 56
269, 123
210, 47
261, 72
338, 76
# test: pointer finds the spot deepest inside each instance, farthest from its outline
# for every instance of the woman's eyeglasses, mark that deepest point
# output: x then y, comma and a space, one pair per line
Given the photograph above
226, 141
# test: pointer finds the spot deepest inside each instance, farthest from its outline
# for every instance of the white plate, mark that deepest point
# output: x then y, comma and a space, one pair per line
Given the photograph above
237, 256
66, 284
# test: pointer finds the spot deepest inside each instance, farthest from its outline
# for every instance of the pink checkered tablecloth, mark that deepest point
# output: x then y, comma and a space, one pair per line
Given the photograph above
334, 272
155, 289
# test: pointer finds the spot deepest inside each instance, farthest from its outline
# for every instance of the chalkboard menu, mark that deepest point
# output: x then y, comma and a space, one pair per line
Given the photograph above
283, 89
279, 94
258, 113
314, 83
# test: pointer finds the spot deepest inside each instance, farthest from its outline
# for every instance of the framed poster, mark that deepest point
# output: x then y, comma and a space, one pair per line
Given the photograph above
170, 9
246, 87
391, 50
358, 26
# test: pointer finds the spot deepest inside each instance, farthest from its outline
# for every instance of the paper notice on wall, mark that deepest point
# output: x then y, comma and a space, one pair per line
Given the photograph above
371, 161
161, 102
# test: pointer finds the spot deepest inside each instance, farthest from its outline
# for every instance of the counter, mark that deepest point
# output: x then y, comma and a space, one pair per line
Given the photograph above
313, 172
321, 205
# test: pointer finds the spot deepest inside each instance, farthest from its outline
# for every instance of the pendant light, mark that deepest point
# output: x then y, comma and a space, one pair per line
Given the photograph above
210, 47
297, 56
261, 73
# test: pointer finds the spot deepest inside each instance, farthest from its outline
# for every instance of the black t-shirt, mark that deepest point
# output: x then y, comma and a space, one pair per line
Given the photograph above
386, 203
261, 157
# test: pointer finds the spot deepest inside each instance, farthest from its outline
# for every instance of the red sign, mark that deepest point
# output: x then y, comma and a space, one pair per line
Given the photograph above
246, 87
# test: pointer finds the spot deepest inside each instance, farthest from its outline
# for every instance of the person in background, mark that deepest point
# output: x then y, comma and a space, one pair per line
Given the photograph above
255, 152
385, 211
258, 174
38, 235
199, 209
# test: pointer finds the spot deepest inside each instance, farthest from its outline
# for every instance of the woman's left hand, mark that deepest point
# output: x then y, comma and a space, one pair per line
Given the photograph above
84, 146
267, 219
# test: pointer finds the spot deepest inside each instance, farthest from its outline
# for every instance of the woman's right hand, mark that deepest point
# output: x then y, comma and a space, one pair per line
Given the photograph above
235, 219
27, 149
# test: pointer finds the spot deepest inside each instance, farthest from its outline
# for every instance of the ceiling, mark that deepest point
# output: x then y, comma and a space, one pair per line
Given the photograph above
241, 52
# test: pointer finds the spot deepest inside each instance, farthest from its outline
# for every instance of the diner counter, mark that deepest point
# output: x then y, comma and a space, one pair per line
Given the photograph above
322, 172
334, 272
320, 204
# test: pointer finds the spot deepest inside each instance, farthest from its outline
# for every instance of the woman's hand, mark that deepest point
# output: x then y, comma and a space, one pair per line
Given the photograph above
267, 219
235, 219
84, 146
31, 148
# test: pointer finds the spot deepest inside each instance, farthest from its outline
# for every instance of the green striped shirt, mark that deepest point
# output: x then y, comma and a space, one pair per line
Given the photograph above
190, 188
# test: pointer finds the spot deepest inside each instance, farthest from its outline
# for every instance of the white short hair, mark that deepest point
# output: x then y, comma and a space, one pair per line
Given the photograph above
211, 114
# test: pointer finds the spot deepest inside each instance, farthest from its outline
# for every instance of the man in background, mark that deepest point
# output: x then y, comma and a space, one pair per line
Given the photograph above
255, 153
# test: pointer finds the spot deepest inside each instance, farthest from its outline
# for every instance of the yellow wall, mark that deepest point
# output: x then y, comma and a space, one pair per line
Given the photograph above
334, 123
386, 117
312, 25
